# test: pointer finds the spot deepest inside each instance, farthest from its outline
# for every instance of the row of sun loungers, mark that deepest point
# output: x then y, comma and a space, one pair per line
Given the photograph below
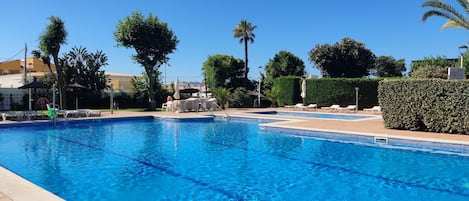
36, 115
349, 108
23, 115
79, 113
302, 107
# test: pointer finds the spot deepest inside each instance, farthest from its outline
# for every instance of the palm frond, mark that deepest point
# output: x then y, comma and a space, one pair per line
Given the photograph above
442, 9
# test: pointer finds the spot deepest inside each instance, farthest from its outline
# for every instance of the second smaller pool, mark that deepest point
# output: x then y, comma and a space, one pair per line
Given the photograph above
347, 117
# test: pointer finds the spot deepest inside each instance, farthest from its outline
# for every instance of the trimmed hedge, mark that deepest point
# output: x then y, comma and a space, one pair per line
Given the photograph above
328, 91
341, 91
289, 90
432, 105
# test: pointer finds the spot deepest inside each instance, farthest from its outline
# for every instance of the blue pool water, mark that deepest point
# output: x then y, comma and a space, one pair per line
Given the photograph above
221, 160
349, 117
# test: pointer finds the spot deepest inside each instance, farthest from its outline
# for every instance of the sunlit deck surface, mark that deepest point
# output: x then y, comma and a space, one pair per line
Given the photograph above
13, 187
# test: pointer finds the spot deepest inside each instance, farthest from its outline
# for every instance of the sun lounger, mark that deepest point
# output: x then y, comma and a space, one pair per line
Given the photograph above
5, 115
88, 112
349, 108
311, 106
373, 109
332, 107
297, 106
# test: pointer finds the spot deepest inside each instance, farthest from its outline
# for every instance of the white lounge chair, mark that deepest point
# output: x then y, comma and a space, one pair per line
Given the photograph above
348, 108
297, 106
373, 109
311, 106
88, 112
332, 107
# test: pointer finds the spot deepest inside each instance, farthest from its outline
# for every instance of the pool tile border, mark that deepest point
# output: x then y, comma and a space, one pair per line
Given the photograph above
442, 146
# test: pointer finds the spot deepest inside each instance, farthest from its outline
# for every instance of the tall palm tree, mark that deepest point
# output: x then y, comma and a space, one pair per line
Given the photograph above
49, 42
442, 9
244, 31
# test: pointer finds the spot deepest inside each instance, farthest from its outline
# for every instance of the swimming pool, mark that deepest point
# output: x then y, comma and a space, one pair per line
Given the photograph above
221, 160
348, 117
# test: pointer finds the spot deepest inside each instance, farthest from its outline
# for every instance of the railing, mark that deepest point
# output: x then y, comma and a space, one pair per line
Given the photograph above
220, 109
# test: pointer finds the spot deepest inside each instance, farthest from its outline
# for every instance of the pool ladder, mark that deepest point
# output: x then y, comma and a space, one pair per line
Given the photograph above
220, 109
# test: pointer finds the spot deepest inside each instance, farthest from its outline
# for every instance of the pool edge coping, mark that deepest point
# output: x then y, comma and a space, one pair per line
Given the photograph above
17, 188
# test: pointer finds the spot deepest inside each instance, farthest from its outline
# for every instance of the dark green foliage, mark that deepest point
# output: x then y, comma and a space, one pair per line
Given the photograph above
225, 71
284, 63
347, 59
387, 66
223, 96
84, 68
241, 98
341, 91
288, 90
427, 105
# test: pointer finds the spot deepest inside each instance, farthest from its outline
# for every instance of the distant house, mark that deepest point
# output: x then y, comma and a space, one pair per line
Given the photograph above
12, 76
17, 66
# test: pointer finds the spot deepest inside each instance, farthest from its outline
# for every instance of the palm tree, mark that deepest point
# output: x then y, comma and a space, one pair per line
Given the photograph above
49, 43
442, 9
223, 96
244, 31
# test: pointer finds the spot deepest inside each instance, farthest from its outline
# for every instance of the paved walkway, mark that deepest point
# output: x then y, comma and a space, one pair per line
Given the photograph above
16, 188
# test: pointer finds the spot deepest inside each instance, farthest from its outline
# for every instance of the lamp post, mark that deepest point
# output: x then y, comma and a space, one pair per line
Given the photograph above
259, 88
462, 50
111, 96
356, 98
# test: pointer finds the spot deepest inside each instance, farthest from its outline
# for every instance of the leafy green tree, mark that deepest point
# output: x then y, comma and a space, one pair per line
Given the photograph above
244, 31
347, 59
152, 40
50, 41
387, 66
224, 71
455, 18
284, 63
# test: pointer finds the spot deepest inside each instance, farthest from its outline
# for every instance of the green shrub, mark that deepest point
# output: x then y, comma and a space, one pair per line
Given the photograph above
432, 105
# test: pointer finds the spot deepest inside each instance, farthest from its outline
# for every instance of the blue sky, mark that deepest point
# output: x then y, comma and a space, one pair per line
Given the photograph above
205, 27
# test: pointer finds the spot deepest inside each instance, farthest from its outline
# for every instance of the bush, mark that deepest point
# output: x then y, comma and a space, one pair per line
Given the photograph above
432, 105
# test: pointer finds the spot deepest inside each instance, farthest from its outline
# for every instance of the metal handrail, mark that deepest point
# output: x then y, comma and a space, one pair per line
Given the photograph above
219, 108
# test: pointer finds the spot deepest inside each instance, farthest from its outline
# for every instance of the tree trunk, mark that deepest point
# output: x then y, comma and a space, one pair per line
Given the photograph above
245, 58
151, 85
60, 82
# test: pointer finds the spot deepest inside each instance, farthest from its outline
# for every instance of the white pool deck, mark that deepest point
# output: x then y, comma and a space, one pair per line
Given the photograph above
14, 187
